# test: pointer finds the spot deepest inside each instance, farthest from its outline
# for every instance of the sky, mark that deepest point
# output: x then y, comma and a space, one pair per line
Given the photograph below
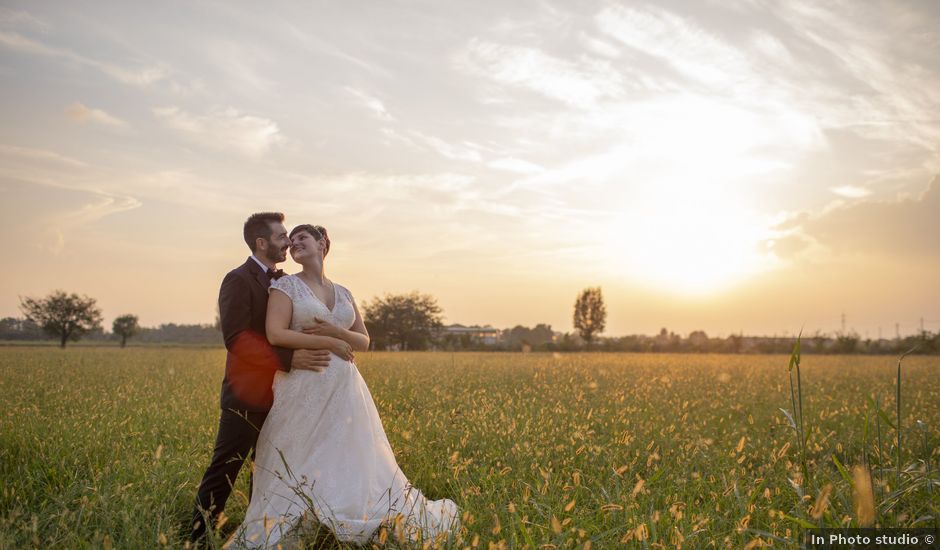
721, 166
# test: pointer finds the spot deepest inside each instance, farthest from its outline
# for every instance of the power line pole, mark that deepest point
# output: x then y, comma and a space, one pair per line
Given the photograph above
843, 322
897, 331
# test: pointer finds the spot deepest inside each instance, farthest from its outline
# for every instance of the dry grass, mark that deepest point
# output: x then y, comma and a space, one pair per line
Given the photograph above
105, 446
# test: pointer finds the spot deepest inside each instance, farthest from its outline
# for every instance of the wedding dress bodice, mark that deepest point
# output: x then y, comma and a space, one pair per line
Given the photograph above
307, 307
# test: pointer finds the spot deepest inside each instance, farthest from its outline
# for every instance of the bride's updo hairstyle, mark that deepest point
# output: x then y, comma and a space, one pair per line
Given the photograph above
316, 231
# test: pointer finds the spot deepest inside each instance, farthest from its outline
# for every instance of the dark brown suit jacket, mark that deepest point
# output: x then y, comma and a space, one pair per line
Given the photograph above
251, 361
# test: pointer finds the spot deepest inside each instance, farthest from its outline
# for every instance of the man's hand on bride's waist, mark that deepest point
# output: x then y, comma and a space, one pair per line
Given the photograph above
340, 348
310, 359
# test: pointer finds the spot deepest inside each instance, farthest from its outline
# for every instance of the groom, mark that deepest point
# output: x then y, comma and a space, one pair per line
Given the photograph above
250, 364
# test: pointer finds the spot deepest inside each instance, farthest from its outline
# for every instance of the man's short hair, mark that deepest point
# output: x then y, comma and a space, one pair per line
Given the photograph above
258, 226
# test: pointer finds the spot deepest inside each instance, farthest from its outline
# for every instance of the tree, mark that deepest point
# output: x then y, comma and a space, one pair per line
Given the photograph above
126, 326
181, 334
590, 315
66, 316
847, 343
698, 340
519, 336
408, 320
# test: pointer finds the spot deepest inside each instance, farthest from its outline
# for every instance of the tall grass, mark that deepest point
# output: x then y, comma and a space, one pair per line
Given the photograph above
868, 507
795, 357
106, 447
897, 401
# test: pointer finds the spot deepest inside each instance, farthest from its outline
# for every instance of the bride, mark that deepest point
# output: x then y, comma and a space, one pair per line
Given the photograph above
322, 447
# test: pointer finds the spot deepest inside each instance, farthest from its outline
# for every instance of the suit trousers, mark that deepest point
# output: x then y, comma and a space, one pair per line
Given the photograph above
236, 439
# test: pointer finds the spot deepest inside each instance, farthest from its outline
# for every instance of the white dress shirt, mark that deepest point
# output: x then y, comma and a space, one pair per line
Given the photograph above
264, 268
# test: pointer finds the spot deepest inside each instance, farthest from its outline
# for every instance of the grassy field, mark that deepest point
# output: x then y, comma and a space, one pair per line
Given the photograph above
105, 447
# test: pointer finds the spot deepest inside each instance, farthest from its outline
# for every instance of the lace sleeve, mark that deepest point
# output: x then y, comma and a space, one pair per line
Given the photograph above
347, 294
284, 284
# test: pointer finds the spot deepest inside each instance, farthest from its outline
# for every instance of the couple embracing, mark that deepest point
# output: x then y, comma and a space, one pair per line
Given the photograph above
294, 399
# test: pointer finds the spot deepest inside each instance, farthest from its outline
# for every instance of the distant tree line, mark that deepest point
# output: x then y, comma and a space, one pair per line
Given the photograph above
22, 330
70, 317
818, 343
12, 328
522, 338
413, 321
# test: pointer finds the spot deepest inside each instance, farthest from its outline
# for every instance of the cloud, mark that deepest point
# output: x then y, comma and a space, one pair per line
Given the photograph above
691, 50
447, 189
519, 166
465, 151
82, 114
772, 48
246, 67
579, 84
19, 42
851, 191
53, 228
372, 103
28, 154
902, 228
136, 77
21, 18
58, 194
448, 150
139, 77
224, 128
99, 205
599, 47
893, 83
314, 43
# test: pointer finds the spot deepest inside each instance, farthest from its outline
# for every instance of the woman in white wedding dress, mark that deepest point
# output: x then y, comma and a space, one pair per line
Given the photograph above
322, 447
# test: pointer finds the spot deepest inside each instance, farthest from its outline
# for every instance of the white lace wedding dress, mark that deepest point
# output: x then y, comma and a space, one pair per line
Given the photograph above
323, 449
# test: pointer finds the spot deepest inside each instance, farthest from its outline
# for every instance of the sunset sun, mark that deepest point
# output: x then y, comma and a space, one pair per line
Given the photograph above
688, 224
691, 245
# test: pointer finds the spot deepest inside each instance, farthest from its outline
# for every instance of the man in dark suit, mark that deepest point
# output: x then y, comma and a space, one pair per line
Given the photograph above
250, 365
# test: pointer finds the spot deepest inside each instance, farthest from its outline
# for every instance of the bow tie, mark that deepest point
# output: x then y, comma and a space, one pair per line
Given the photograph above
275, 273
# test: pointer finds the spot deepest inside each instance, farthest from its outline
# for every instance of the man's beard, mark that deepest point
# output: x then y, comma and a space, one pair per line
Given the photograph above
275, 255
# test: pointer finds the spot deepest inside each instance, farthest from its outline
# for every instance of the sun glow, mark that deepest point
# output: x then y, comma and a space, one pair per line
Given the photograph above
689, 245
687, 226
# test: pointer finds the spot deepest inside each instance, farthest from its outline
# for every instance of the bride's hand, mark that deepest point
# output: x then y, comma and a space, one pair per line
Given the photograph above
342, 349
322, 328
